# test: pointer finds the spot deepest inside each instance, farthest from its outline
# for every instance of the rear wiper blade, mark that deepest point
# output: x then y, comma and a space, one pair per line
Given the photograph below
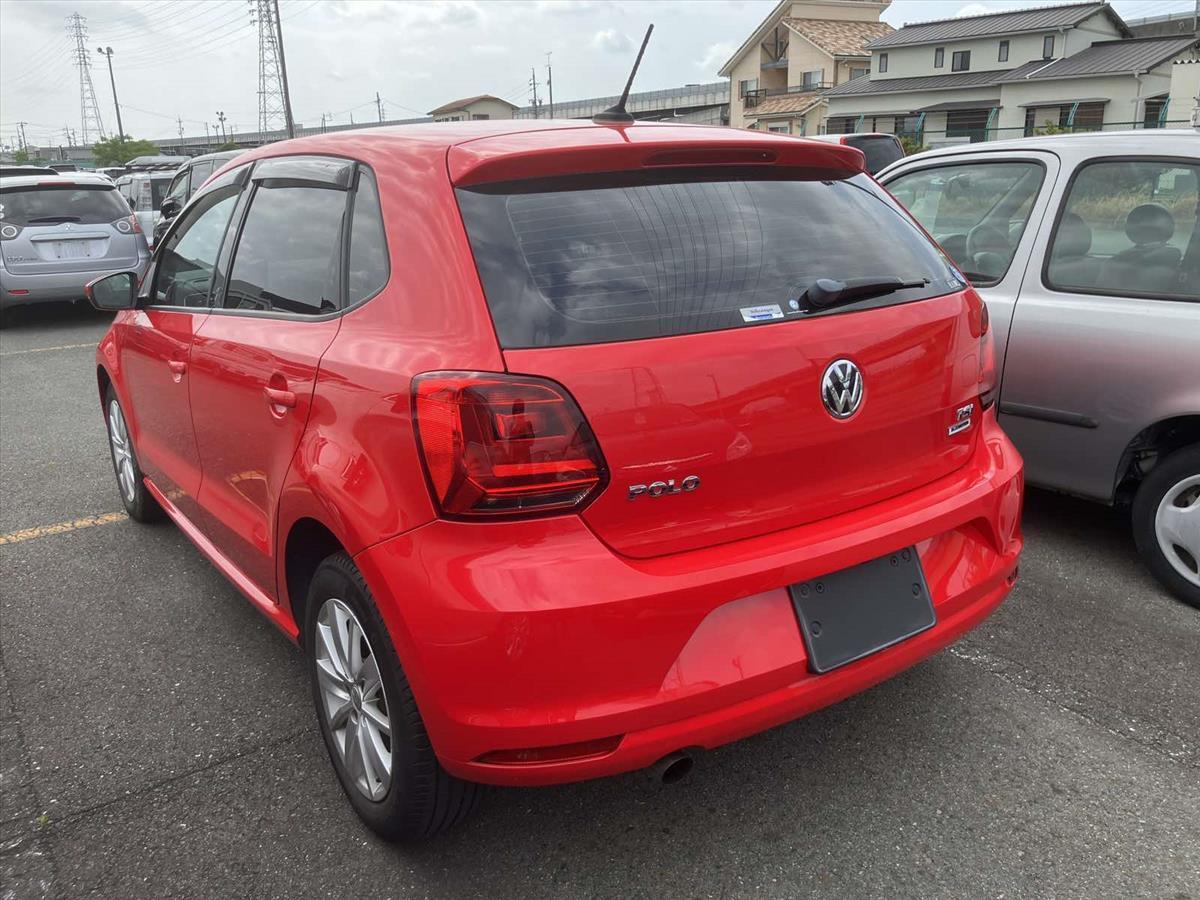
825, 293
52, 220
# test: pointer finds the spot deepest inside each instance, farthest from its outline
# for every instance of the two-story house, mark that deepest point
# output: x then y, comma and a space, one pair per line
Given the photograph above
1071, 66
779, 75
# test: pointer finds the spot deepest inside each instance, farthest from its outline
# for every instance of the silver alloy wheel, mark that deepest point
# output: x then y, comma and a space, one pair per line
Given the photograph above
122, 451
1177, 527
353, 699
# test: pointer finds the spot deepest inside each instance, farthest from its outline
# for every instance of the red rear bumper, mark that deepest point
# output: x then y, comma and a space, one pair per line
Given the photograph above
535, 634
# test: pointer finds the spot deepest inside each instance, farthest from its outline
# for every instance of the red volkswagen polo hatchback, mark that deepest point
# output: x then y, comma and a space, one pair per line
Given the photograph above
564, 449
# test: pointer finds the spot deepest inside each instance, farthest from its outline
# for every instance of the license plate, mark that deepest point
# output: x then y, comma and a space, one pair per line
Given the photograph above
72, 249
858, 611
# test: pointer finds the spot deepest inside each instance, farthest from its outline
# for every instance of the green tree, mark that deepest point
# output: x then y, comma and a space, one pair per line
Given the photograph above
21, 157
229, 145
117, 151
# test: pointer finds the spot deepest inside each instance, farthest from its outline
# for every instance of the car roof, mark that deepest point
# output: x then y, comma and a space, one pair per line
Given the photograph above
219, 155
57, 178
1181, 141
475, 143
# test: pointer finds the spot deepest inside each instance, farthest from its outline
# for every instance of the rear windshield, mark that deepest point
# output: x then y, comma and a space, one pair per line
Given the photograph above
158, 190
615, 258
53, 204
880, 151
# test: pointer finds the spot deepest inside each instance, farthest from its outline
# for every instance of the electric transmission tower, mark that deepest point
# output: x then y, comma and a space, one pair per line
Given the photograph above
91, 128
274, 108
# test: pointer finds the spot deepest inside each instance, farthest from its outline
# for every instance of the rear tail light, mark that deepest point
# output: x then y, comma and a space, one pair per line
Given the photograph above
128, 225
504, 445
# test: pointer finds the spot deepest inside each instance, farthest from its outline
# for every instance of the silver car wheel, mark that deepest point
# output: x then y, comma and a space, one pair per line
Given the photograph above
122, 451
1177, 528
353, 700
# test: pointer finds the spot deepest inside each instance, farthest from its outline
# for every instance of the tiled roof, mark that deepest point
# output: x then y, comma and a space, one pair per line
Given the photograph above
862, 86
784, 103
465, 102
999, 23
837, 37
1105, 57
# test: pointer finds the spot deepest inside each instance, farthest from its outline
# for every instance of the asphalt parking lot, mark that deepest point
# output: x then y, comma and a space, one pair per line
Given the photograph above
157, 738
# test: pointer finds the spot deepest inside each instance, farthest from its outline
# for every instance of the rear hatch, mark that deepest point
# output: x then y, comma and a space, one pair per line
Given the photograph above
57, 227
879, 150
674, 305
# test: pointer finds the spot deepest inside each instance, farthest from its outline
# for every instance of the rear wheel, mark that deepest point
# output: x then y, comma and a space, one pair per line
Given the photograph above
1166, 523
368, 717
131, 484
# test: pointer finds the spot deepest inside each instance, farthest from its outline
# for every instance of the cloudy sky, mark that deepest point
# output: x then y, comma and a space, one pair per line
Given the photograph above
191, 58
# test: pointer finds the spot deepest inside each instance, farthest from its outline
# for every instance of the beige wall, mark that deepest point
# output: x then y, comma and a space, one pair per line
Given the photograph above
1125, 100
493, 109
804, 57
1185, 92
906, 62
837, 9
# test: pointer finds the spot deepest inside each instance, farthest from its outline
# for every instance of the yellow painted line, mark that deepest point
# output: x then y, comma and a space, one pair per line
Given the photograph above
47, 349
28, 534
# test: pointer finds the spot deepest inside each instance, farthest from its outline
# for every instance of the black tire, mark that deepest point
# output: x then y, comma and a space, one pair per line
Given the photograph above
423, 800
1165, 478
141, 506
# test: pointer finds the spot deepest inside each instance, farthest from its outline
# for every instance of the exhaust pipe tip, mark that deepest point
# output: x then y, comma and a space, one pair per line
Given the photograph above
674, 767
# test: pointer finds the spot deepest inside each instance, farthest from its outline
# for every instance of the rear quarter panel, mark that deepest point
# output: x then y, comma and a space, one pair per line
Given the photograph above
357, 469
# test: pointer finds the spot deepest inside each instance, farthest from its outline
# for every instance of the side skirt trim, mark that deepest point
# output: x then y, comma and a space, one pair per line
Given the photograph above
273, 611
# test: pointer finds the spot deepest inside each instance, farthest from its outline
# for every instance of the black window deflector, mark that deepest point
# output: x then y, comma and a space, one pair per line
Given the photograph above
305, 171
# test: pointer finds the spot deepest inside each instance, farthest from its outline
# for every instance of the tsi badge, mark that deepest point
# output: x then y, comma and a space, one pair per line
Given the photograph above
662, 488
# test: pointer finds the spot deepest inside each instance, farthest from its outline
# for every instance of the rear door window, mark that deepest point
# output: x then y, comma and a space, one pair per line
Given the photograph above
368, 257
612, 258
976, 211
1129, 228
55, 204
288, 257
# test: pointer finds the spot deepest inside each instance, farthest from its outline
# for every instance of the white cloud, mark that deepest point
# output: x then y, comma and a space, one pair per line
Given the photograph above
716, 55
972, 9
612, 41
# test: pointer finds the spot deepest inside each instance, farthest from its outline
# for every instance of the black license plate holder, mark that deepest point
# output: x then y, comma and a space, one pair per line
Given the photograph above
855, 612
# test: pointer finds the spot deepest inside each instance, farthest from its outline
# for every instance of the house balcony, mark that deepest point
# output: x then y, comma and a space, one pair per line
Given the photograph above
751, 99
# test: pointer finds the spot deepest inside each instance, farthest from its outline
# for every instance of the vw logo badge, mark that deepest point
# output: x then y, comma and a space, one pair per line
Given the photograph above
842, 388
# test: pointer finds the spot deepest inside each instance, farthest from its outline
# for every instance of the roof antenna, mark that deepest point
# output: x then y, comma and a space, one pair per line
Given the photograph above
616, 114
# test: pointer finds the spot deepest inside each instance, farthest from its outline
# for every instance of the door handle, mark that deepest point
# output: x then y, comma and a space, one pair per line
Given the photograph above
278, 398
177, 366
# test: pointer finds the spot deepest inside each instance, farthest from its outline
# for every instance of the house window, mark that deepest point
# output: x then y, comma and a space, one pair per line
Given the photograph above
960, 61
1048, 47
746, 85
813, 79
858, 73
1003, 57
939, 57
478, 117
779, 128
882, 62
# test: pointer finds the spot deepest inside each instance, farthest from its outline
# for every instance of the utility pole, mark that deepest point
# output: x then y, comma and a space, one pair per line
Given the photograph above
221, 119
550, 82
323, 115
533, 83
179, 119
21, 134
89, 110
379, 106
287, 97
107, 52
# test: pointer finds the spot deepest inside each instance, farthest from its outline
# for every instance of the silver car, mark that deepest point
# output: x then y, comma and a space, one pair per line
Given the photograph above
1087, 250
145, 191
58, 232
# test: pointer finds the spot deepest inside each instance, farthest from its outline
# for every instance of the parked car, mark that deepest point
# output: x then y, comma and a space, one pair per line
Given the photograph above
9, 171
144, 191
552, 451
63, 166
58, 232
187, 181
1087, 250
880, 149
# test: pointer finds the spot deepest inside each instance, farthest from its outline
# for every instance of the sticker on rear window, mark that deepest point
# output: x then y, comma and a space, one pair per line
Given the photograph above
761, 313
